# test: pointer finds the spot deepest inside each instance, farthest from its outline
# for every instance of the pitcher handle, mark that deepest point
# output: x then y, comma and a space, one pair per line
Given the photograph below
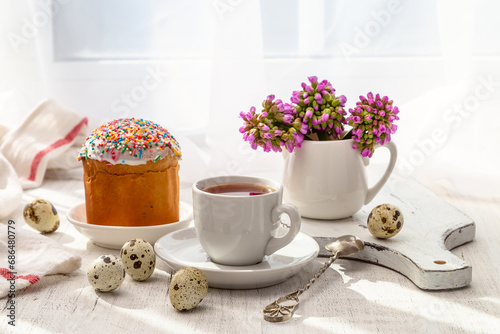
370, 194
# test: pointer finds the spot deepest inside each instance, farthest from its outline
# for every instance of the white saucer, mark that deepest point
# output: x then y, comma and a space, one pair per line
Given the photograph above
115, 236
182, 249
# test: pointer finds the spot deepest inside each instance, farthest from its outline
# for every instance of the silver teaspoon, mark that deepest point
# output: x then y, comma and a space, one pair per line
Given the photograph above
282, 309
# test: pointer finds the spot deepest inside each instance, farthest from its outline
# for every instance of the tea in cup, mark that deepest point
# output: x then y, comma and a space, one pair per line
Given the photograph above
237, 218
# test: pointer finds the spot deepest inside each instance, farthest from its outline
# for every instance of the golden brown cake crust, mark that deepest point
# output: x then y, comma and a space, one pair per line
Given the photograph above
132, 195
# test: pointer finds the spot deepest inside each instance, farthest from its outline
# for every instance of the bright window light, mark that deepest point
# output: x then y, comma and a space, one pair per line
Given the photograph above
167, 29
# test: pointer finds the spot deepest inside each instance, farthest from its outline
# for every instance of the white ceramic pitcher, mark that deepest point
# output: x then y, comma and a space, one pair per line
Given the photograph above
327, 179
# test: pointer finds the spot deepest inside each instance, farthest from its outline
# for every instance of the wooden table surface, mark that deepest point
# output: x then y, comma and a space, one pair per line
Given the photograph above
351, 297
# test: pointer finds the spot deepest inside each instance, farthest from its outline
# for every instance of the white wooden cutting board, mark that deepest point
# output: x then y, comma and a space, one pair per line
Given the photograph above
420, 251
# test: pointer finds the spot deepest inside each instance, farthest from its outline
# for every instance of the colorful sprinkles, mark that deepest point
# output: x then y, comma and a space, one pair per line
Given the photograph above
129, 138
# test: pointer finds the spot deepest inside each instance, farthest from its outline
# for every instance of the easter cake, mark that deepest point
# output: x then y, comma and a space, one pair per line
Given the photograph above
131, 174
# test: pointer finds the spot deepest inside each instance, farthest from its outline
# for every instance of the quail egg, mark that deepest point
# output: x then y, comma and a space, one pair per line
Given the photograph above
41, 215
139, 259
106, 273
187, 289
385, 221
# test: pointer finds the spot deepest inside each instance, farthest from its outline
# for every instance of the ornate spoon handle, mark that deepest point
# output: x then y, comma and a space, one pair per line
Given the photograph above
318, 274
282, 309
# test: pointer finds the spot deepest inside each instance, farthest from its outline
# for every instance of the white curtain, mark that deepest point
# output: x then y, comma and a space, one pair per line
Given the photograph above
441, 70
21, 81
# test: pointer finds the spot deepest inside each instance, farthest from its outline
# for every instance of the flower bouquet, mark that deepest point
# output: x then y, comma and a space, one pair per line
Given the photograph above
317, 113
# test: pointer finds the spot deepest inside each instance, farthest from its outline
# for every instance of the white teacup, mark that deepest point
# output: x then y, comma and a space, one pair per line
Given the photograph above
239, 226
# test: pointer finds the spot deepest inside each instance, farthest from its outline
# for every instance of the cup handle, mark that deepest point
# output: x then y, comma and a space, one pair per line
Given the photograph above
370, 194
277, 243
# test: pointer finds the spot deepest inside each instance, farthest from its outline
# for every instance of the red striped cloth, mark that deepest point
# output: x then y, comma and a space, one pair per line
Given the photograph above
46, 134
9, 275
32, 257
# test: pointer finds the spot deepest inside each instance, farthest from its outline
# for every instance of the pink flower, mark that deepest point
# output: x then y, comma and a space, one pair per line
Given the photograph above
313, 79
304, 128
272, 128
342, 100
372, 121
366, 153
314, 99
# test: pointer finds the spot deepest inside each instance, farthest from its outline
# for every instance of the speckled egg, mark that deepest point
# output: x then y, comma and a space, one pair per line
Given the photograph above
41, 215
139, 259
385, 221
106, 273
188, 288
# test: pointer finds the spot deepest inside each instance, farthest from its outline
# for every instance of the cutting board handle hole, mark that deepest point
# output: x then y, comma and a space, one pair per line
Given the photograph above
440, 262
